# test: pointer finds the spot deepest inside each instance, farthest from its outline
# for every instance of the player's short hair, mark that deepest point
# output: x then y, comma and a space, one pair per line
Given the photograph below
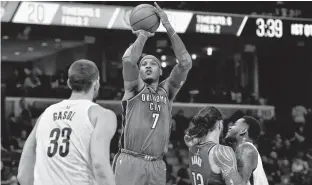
81, 74
254, 127
150, 57
205, 121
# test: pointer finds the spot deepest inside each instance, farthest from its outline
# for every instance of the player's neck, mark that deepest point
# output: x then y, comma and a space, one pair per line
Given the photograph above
212, 137
80, 96
241, 140
153, 85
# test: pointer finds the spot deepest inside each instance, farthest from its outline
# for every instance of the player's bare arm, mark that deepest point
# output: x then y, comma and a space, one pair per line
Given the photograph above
105, 124
247, 160
179, 72
224, 157
130, 71
28, 159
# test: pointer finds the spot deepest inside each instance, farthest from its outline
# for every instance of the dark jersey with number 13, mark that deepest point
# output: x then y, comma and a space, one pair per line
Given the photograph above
147, 122
201, 172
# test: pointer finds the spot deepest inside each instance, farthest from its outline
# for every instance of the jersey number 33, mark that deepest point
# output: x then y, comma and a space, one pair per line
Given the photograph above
64, 136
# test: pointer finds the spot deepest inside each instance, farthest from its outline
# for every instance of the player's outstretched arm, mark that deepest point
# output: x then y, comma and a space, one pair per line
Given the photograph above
180, 71
105, 124
130, 59
224, 157
26, 166
247, 160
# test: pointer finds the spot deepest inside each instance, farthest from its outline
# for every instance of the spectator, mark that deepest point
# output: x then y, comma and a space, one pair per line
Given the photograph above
32, 81
285, 180
284, 166
25, 117
14, 84
22, 139
8, 178
13, 147
298, 138
59, 81
299, 167
298, 114
287, 150
277, 142
3, 149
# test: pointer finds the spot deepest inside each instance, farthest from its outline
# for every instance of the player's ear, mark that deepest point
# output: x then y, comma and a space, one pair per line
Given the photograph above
96, 85
161, 72
243, 131
68, 84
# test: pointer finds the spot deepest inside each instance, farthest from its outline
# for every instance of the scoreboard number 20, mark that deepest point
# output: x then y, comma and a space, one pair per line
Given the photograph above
35, 13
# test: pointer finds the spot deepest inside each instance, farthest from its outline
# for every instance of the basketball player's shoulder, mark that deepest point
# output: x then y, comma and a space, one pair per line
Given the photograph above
224, 157
97, 112
247, 149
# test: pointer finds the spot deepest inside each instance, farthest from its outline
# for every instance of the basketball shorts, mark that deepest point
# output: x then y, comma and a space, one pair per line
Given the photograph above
138, 170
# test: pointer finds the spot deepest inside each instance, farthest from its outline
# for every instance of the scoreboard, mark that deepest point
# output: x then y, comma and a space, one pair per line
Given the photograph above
117, 17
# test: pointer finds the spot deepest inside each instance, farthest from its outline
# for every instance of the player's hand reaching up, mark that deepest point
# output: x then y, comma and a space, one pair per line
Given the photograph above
161, 13
143, 32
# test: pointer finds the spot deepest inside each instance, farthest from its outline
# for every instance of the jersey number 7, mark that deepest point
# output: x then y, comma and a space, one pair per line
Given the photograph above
156, 117
54, 137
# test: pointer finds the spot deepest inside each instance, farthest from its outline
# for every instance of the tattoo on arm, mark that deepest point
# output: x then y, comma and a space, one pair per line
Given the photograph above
247, 160
225, 158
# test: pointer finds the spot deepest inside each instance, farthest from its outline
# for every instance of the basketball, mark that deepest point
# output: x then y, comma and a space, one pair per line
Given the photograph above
144, 17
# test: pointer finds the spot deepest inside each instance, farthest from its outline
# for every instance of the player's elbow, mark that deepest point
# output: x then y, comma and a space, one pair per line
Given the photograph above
185, 65
185, 62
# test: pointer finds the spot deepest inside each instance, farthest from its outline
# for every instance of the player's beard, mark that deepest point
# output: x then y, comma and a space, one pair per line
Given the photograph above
149, 81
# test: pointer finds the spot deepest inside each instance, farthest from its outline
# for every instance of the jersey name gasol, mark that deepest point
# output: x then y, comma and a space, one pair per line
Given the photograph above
63, 115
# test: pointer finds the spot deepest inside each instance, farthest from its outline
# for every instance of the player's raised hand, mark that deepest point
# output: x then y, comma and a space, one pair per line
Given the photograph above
143, 32
162, 14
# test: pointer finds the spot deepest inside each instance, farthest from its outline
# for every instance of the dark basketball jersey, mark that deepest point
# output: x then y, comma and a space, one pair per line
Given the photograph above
147, 122
201, 173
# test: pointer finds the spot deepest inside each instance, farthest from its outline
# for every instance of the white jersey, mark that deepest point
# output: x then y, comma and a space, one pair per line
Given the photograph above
258, 175
63, 138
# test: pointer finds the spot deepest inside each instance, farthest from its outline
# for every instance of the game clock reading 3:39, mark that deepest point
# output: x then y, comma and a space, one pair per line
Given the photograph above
272, 28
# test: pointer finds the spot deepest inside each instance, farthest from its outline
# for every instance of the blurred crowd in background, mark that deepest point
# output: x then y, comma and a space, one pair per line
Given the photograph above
284, 145
32, 83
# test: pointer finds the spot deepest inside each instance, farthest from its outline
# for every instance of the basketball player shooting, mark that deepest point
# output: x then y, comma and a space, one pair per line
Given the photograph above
70, 142
147, 110
242, 135
210, 162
